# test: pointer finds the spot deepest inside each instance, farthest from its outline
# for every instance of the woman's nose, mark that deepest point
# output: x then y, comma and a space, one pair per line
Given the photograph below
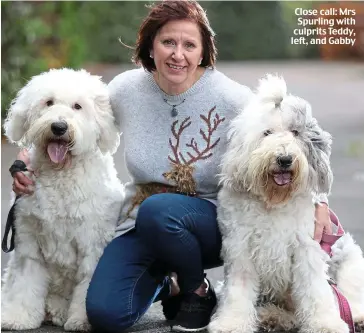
178, 53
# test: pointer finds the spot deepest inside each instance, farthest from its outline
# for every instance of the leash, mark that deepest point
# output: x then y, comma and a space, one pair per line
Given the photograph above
326, 243
10, 225
17, 166
345, 311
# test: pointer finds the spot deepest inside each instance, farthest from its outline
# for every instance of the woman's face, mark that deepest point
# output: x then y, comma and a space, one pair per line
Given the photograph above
177, 52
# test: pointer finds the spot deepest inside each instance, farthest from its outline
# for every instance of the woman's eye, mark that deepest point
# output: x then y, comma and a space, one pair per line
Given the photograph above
168, 42
190, 45
77, 106
268, 132
49, 103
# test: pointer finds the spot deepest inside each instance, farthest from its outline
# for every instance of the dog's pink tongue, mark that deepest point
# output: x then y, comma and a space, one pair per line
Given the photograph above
282, 178
56, 151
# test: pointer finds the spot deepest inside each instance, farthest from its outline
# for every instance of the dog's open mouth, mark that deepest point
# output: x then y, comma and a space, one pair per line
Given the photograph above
282, 178
57, 150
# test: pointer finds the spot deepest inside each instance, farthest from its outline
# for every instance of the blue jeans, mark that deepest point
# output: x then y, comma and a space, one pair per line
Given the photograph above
174, 233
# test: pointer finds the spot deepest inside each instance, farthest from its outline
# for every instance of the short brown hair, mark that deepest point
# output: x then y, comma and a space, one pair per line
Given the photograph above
168, 10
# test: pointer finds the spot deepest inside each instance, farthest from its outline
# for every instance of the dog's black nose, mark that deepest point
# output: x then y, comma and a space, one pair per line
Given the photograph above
59, 128
284, 161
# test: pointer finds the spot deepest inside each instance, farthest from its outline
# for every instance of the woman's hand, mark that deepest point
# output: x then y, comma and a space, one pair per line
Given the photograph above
322, 221
21, 181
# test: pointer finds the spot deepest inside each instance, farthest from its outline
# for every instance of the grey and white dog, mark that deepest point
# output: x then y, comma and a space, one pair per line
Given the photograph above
275, 273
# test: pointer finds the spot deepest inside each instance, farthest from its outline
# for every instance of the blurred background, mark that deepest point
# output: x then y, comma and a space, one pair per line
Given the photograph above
253, 38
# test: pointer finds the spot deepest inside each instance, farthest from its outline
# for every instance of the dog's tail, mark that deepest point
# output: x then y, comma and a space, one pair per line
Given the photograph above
272, 89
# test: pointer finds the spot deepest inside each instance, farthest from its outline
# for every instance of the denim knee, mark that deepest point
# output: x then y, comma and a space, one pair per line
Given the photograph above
153, 215
106, 315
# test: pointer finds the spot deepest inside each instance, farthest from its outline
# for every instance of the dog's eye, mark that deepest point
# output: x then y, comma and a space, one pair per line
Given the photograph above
295, 132
49, 103
268, 132
77, 106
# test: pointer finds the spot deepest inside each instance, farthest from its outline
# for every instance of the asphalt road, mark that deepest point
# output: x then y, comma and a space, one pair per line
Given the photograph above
336, 92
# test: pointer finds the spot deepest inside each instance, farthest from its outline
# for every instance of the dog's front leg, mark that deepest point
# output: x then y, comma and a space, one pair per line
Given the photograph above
313, 298
77, 317
236, 312
25, 285
90, 249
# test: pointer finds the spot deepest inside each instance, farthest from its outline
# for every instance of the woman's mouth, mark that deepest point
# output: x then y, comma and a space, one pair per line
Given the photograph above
176, 67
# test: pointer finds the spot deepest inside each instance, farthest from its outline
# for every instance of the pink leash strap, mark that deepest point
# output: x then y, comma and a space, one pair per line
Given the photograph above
345, 311
326, 243
329, 240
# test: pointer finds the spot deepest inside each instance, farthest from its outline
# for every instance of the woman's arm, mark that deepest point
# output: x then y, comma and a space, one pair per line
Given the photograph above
322, 220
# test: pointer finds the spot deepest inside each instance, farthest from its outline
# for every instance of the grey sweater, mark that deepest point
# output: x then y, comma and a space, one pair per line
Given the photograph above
182, 151
177, 151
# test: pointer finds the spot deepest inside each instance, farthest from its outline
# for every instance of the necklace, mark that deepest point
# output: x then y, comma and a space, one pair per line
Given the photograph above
174, 111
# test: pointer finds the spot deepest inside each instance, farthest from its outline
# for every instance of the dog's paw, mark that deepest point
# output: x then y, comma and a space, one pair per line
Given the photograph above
359, 326
57, 310
74, 324
278, 324
229, 326
273, 318
20, 320
59, 319
329, 326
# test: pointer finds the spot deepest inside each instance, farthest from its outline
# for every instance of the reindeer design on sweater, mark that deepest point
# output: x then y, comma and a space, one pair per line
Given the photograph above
181, 173
182, 167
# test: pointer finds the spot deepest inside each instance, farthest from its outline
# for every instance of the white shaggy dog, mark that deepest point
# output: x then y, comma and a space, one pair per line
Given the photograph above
65, 119
275, 273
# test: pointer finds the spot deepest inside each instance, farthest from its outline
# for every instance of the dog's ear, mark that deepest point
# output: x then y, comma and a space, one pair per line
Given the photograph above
325, 175
233, 169
320, 152
109, 136
17, 123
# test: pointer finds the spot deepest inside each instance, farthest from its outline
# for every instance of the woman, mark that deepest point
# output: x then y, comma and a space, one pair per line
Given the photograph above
174, 112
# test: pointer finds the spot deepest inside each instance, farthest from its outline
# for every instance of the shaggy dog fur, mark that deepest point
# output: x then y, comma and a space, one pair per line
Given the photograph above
181, 175
275, 273
65, 120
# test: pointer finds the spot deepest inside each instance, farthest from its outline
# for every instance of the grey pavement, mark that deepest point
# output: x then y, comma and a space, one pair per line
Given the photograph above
336, 92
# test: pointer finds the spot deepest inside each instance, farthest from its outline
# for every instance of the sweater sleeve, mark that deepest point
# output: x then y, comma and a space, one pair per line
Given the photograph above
237, 96
320, 198
116, 91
